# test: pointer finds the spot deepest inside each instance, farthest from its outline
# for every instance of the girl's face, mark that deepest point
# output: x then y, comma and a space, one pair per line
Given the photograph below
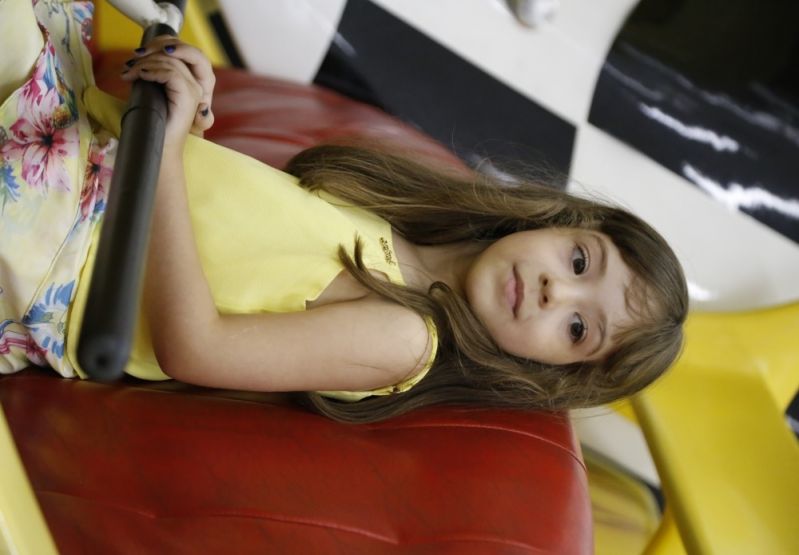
553, 295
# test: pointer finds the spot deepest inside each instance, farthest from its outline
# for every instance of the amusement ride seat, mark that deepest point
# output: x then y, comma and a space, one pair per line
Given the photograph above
141, 467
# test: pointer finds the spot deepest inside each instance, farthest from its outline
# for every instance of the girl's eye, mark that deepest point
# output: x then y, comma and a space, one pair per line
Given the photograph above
577, 328
579, 260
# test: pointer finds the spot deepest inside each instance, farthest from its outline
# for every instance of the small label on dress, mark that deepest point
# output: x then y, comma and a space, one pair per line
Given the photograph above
387, 251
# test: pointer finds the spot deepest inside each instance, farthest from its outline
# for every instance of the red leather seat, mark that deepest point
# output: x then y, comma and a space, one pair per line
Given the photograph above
131, 469
138, 468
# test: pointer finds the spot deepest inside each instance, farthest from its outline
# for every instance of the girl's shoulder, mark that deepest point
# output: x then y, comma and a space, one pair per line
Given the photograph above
343, 288
403, 340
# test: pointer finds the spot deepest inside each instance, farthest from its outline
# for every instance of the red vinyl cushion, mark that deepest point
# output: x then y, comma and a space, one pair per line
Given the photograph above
272, 120
174, 469
133, 469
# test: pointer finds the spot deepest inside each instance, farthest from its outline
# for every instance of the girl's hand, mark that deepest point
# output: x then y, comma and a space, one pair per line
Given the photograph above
200, 67
189, 82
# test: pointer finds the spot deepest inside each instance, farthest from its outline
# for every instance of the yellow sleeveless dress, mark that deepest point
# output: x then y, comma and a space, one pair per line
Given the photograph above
266, 245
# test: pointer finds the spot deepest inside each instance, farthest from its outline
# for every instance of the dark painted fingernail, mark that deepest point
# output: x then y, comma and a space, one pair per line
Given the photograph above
169, 48
141, 50
130, 63
205, 112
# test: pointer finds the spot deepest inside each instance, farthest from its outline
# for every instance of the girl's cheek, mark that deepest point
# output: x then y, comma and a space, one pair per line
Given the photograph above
550, 328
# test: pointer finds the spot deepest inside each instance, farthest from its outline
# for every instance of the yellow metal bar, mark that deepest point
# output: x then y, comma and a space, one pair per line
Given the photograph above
666, 540
114, 31
198, 32
625, 514
21, 521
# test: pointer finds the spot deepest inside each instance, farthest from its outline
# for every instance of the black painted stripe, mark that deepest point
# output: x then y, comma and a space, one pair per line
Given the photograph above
727, 78
380, 59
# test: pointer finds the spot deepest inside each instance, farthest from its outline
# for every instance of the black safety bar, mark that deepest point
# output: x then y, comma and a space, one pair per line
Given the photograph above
112, 306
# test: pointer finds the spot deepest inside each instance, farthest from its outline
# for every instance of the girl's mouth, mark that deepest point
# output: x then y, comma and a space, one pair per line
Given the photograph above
518, 293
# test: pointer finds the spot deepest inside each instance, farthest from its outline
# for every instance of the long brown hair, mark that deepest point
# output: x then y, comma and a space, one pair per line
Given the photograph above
436, 206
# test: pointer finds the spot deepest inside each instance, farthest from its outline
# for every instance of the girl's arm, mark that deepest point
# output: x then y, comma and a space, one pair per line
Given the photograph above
356, 345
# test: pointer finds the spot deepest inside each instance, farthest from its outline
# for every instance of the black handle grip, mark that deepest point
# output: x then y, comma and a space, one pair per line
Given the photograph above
112, 306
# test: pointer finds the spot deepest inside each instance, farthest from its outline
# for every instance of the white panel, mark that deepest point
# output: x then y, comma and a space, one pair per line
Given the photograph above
615, 437
283, 38
732, 261
555, 64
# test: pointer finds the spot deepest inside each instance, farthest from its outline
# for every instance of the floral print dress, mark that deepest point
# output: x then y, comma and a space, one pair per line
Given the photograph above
55, 167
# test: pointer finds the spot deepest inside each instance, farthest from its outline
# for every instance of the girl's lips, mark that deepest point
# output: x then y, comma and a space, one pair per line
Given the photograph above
519, 292
510, 292
514, 292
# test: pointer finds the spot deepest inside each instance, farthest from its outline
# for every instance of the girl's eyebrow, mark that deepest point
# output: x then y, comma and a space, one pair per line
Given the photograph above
601, 322
602, 318
603, 255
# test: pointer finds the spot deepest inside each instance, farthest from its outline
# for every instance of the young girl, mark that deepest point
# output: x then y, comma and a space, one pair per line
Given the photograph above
373, 283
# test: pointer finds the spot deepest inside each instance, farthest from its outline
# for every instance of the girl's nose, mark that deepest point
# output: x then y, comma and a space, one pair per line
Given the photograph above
543, 291
553, 291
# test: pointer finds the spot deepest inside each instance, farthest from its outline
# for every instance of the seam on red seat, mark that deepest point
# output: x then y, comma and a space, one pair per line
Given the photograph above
298, 520
389, 427
572, 454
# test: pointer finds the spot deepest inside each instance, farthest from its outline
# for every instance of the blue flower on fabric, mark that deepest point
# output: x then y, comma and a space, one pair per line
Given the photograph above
9, 187
83, 12
46, 317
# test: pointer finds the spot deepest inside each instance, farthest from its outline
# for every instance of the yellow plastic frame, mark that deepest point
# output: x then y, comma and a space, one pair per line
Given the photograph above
113, 31
715, 424
22, 526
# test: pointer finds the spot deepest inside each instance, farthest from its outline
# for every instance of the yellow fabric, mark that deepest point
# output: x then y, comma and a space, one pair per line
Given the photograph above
266, 245
54, 167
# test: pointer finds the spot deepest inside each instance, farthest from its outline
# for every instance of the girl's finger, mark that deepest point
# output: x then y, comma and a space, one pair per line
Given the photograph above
170, 76
197, 62
158, 73
203, 120
156, 45
160, 63
204, 113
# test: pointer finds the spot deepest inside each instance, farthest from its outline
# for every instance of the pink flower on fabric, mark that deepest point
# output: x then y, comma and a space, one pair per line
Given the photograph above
9, 339
98, 176
41, 145
35, 354
42, 79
